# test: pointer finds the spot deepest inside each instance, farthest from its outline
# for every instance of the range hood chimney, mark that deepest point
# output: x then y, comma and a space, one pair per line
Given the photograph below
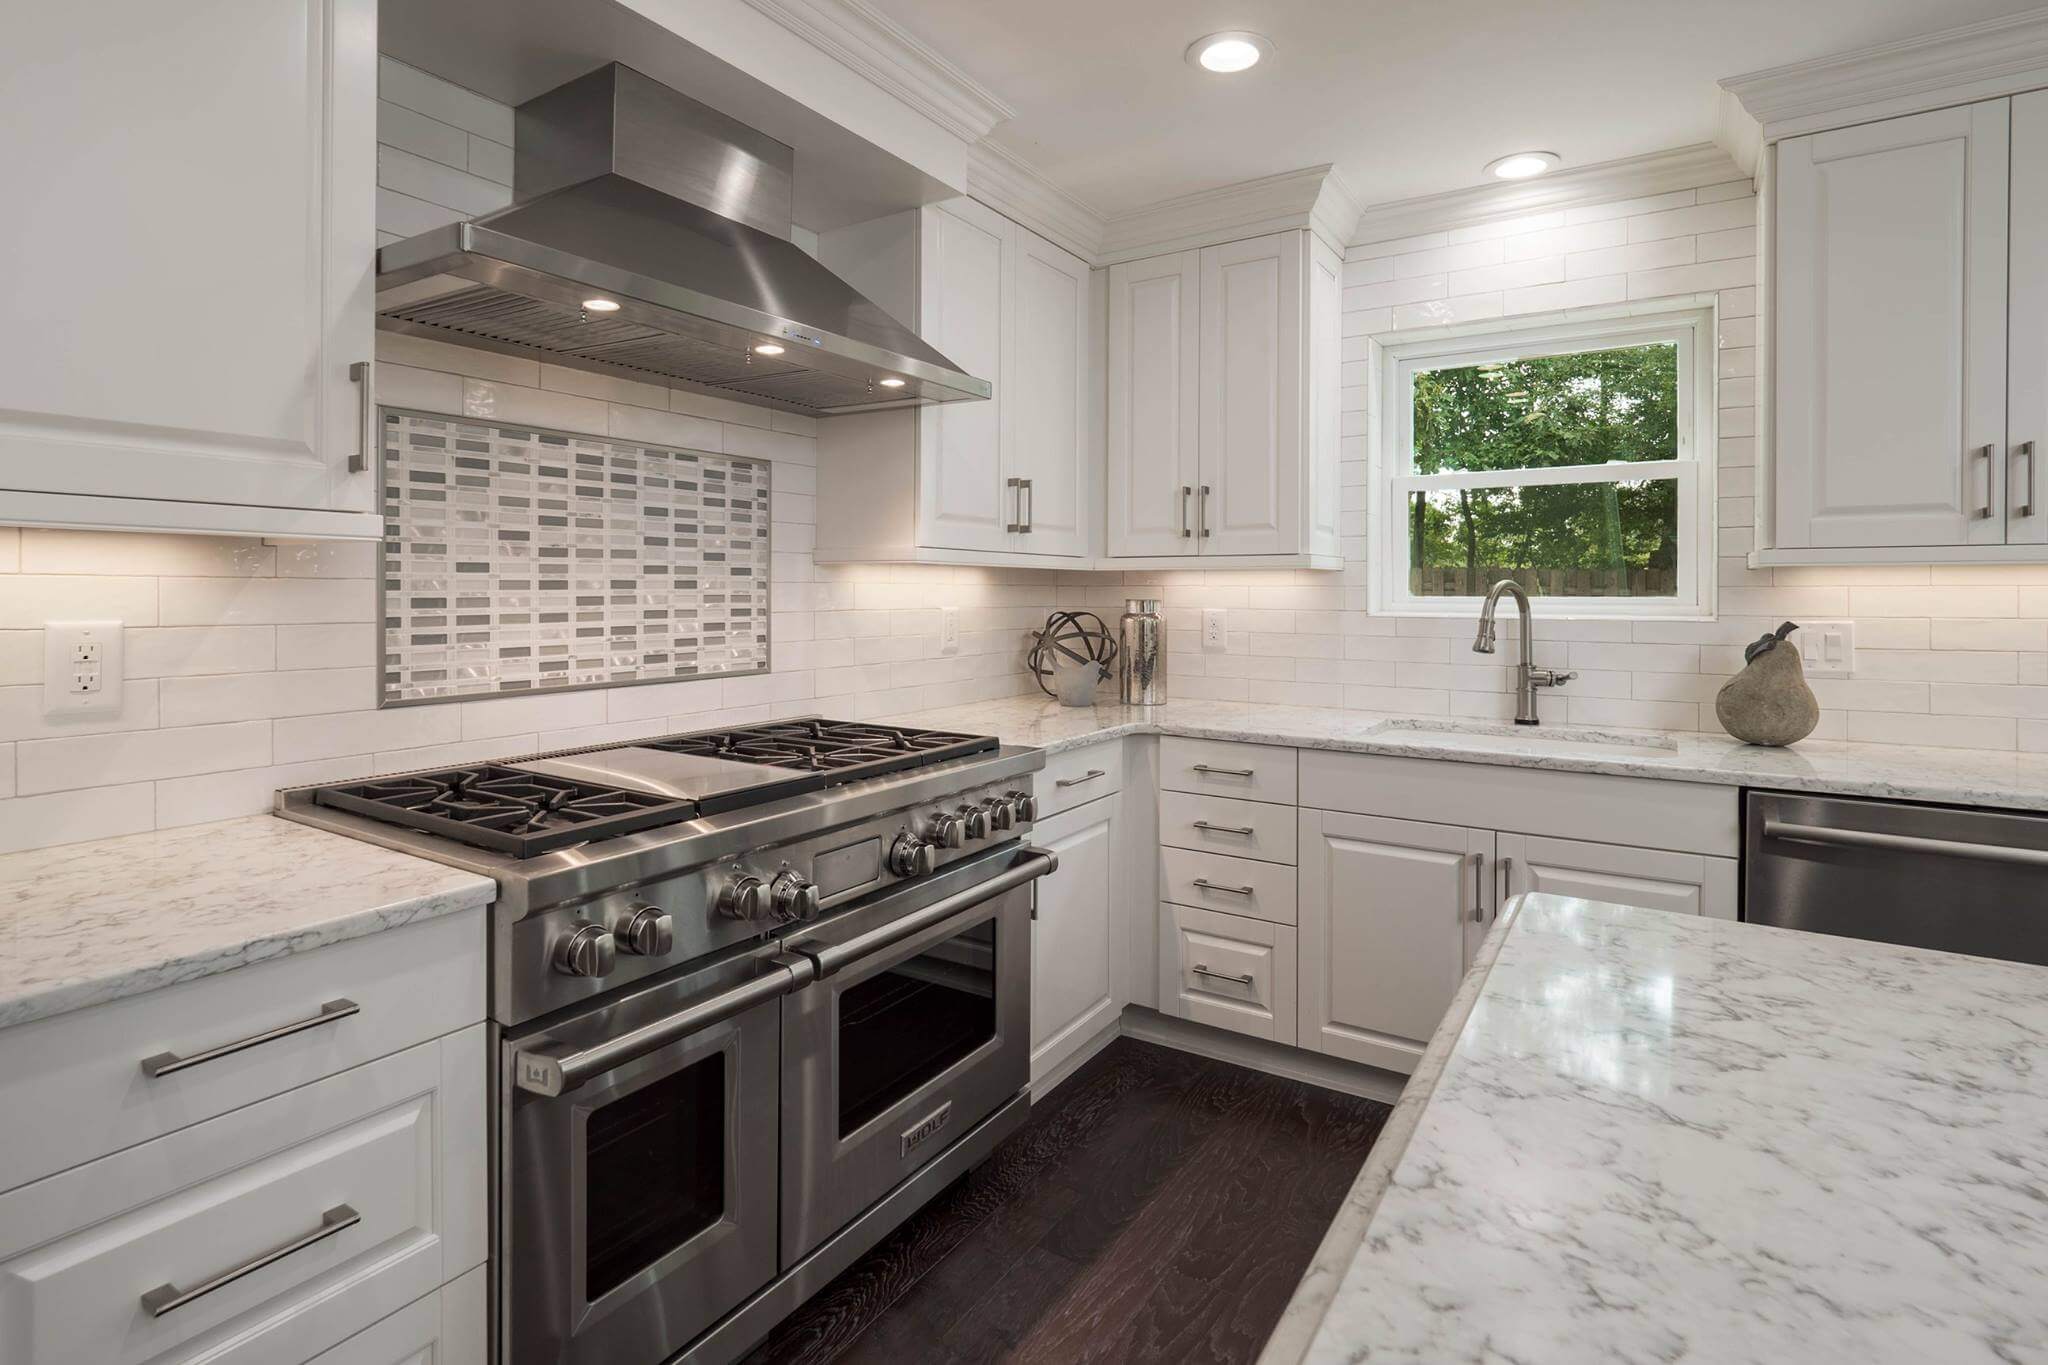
632, 194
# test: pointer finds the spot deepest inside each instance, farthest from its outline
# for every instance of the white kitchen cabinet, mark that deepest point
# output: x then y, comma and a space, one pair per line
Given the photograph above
190, 272
1684, 883
1009, 480
1389, 913
1223, 373
1077, 945
448, 1327
1228, 972
2027, 389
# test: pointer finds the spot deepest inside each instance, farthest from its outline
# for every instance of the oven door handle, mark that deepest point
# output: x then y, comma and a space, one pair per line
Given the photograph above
1031, 864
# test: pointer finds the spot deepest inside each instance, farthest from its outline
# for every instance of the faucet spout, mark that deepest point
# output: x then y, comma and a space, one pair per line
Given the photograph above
1527, 676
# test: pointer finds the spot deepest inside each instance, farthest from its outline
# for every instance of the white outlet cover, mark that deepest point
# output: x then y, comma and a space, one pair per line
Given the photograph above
1215, 630
949, 630
82, 650
1827, 649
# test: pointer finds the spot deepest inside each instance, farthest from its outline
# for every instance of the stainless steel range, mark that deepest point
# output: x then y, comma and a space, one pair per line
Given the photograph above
757, 994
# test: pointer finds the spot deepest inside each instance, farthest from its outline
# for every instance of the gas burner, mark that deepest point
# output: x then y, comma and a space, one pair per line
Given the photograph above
517, 813
843, 748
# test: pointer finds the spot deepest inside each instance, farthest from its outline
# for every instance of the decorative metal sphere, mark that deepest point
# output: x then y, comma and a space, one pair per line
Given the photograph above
1075, 636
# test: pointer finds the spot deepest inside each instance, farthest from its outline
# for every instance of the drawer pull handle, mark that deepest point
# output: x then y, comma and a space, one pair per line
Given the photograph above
1202, 970
1246, 830
1088, 776
360, 374
166, 1297
1226, 772
164, 1063
1208, 885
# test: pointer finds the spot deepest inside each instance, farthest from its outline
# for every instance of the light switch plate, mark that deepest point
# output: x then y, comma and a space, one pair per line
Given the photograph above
1215, 630
82, 668
1827, 648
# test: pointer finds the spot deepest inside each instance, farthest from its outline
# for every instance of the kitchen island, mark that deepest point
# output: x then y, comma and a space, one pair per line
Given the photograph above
1643, 1136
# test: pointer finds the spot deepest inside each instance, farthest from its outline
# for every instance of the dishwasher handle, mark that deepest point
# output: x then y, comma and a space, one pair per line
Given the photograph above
1904, 843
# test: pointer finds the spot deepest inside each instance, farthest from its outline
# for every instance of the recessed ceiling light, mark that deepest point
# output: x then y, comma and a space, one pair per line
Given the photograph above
890, 383
600, 306
767, 348
1227, 52
1521, 165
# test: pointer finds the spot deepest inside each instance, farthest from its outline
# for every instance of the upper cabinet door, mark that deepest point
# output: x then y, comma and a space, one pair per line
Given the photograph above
1891, 332
964, 501
2027, 390
1252, 397
1047, 407
189, 255
1154, 404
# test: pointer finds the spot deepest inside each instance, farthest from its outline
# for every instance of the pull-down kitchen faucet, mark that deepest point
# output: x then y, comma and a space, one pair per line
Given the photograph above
1527, 677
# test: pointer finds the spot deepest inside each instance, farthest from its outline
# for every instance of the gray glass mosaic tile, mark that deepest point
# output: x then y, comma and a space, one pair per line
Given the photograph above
524, 560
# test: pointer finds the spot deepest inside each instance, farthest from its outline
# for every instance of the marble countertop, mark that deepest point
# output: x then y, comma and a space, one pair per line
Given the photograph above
1646, 1136
86, 923
1964, 777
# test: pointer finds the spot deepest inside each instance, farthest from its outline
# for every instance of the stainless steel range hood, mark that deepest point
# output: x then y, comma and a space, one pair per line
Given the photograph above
634, 194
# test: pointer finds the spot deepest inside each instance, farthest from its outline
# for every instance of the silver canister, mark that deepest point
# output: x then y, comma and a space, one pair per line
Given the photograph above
1141, 653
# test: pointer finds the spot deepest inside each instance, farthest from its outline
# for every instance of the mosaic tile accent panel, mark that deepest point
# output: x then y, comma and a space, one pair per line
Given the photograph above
524, 560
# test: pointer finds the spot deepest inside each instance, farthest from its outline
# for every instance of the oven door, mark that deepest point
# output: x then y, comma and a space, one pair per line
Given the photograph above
894, 1053
638, 1207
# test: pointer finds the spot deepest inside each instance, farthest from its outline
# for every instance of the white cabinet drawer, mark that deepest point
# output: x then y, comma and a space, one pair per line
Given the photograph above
1227, 971
1077, 775
1233, 886
1683, 883
1252, 772
450, 1326
111, 1262
1217, 824
74, 1085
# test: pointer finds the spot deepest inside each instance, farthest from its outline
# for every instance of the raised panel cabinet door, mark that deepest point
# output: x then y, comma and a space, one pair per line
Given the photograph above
2027, 386
1252, 397
1891, 332
1047, 412
1075, 957
963, 503
189, 250
1326, 378
1683, 883
1384, 906
1154, 451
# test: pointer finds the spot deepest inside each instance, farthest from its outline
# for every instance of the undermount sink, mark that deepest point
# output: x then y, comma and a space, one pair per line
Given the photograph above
1527, 738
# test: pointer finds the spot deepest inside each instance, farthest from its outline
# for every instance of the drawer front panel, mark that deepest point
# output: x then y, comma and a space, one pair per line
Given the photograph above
274, 1231
76, 1087
1228, 972
1230, 886
1251, 772
1218, 824
1078, 775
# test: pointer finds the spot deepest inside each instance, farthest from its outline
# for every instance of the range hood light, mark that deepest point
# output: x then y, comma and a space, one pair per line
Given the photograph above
600, 305
890, 383
768, 348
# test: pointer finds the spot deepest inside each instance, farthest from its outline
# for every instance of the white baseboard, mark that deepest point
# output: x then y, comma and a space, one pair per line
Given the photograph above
1310, 1068
1104, 1036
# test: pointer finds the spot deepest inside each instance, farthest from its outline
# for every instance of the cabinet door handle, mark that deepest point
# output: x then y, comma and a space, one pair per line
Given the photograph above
1202, 513
1507, 881
1028, 505
1207, 885
164, 1063
1016, 526
1201, 969
2026, 452
1478, 861
1088, 776
1186, 492
1226, 772
1989, 454
1246, 830
366, 416
166, 1297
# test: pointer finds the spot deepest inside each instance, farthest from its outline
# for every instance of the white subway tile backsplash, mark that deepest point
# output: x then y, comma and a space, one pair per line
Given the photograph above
223, 796
29, 600
257, 601
248, 696
47, 765
72, 816
10, 550
411, 131
173, 651
514, 404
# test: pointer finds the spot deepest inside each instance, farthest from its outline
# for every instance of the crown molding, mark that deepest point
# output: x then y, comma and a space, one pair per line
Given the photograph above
1334, 216
1684, 168
1018, 190
1227, 213
1737, 133
1978, 61
868, 42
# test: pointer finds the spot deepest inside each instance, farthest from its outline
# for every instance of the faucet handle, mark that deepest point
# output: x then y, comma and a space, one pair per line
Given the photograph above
1550, 677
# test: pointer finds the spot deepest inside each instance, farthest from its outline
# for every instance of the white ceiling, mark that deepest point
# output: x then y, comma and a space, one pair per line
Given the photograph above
1406, 97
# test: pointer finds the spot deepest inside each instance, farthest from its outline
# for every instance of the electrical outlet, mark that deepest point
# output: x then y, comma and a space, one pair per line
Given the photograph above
1827, 648
1215, 630
82, 668
949, 630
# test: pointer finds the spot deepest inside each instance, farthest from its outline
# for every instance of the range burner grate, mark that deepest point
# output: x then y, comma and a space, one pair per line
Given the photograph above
517, 813
841, 751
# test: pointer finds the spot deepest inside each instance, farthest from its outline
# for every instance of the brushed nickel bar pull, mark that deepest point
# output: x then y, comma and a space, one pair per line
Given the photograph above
1904, 843
2027, 454
166, 1063
1208, 885
1507, 882
1201, 969
1226, 772
366, 416
1186, 492
1246, 830
166, 1297
1028, 506
1478, 888
1088, 776
1984, 513
1202, 513
1017, 526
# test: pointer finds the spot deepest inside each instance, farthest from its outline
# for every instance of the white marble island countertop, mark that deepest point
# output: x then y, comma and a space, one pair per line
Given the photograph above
85, 923
1648, 1137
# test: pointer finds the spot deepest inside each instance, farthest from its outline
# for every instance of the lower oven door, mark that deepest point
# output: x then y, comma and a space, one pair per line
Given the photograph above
638, 1208
893, 1055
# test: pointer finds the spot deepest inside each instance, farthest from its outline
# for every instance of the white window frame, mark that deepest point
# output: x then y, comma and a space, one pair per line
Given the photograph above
1691, 325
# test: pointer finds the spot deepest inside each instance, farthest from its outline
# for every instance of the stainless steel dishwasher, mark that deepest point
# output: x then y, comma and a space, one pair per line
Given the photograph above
1962, 881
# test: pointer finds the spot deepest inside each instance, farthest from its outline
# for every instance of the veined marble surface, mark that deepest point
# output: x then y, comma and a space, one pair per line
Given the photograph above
1964, 777
1662, 1138
85, 923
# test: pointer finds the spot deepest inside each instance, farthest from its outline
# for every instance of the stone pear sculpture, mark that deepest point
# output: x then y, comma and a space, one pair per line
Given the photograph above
1768, 702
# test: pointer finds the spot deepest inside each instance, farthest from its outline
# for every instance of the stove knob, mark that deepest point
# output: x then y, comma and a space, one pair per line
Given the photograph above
998, 812
947, 831
911, 856
587, 951
645, 932
976, 821
1023, 807
794, 897
743, 898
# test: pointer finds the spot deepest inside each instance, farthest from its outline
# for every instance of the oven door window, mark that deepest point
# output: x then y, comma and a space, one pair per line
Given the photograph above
654, 1172
905, 1025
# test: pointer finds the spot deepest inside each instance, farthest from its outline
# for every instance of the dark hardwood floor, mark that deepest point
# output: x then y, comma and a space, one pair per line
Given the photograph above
1158, 1206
